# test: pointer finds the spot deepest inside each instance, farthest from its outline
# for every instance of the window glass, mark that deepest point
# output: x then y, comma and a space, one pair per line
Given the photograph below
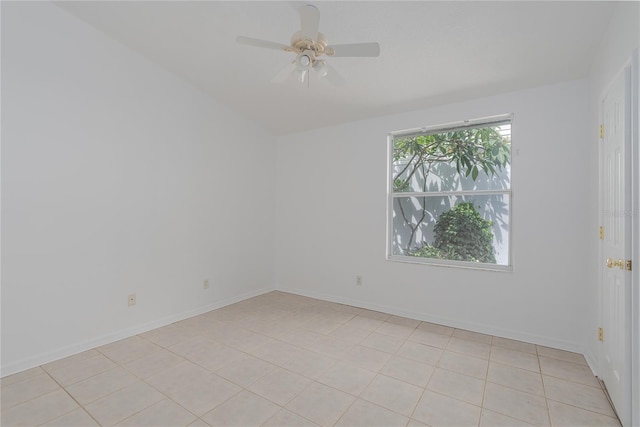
450, 195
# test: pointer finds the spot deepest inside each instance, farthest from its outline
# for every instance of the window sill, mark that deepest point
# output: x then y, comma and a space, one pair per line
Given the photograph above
451, 264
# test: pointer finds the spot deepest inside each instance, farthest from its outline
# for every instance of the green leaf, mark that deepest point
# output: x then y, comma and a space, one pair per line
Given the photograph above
474, 173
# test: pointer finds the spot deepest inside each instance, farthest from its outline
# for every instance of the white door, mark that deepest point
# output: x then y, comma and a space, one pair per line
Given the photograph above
615, 370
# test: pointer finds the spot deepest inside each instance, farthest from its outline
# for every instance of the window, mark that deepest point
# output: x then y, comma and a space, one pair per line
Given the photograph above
450, 194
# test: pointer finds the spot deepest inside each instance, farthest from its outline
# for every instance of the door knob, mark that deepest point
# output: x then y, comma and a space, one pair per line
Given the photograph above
612, 263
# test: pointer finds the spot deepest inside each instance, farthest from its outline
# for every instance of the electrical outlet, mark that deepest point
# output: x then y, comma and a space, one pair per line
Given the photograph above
205, 284
132, 299
359, 280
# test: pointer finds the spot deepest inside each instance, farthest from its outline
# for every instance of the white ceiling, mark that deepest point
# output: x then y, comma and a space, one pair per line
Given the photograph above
431, 52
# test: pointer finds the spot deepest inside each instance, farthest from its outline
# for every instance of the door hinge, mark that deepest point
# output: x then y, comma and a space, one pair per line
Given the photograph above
601, 131
600, 334
628, 265
601, 233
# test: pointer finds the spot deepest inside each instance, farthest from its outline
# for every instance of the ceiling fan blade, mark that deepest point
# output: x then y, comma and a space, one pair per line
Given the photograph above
309, 22
356, 49
262, 43
285, 74
333, 76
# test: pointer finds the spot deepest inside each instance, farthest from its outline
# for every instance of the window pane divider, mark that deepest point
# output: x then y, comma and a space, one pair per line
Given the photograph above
451, 193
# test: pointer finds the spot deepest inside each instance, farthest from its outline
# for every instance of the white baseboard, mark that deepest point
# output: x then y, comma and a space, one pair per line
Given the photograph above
592, 362
455, 323
70, 350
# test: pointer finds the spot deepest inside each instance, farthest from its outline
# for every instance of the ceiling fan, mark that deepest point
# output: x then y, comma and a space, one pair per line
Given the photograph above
310, 45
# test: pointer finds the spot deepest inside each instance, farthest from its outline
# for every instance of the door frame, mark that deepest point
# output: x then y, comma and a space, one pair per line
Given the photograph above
635, 237
633, 89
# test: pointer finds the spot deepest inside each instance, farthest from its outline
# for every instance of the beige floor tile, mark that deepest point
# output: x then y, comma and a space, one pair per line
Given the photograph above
392, 394
328, 362
245, 409
407, 370
167, 335
367, 358
285, 418
76, 418
309, 364
153, 363
395, 330
568, 371
245, 371
405, 321
98, 386
494, 419
582, 396
429, 338
246, 340
74, 360
517, 404
366, 414
567, 356
38, 411
280, 386
193, 387
381, 342
458, 386
420, 352
321, 404
373, 314
21, 376
276, 352
36, 383
524, 347
472, 348
569, 416
322, 326
67, 372
179, 375
332, 347
165, 413
519, 379
347, 377
464, 364
366, 323
515, 358
197, 324
123, 403
298, 337
128, 350
472, 336
437, 410
435, 328
350, 333
216, 356
272, 328
192, 346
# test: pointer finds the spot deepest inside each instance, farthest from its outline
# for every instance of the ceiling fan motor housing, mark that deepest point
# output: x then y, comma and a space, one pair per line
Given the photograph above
319, 46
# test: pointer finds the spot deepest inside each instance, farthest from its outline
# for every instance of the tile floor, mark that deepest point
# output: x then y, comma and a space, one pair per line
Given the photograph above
286, 360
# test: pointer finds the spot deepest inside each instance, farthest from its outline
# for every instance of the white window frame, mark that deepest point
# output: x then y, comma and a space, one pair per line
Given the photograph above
474, 123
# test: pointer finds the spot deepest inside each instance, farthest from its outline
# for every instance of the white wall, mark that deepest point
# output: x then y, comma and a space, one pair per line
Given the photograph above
118, 177
331, 222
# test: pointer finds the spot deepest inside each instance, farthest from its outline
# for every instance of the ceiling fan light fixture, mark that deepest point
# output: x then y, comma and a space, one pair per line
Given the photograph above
321, 68
304, 61
301, 74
